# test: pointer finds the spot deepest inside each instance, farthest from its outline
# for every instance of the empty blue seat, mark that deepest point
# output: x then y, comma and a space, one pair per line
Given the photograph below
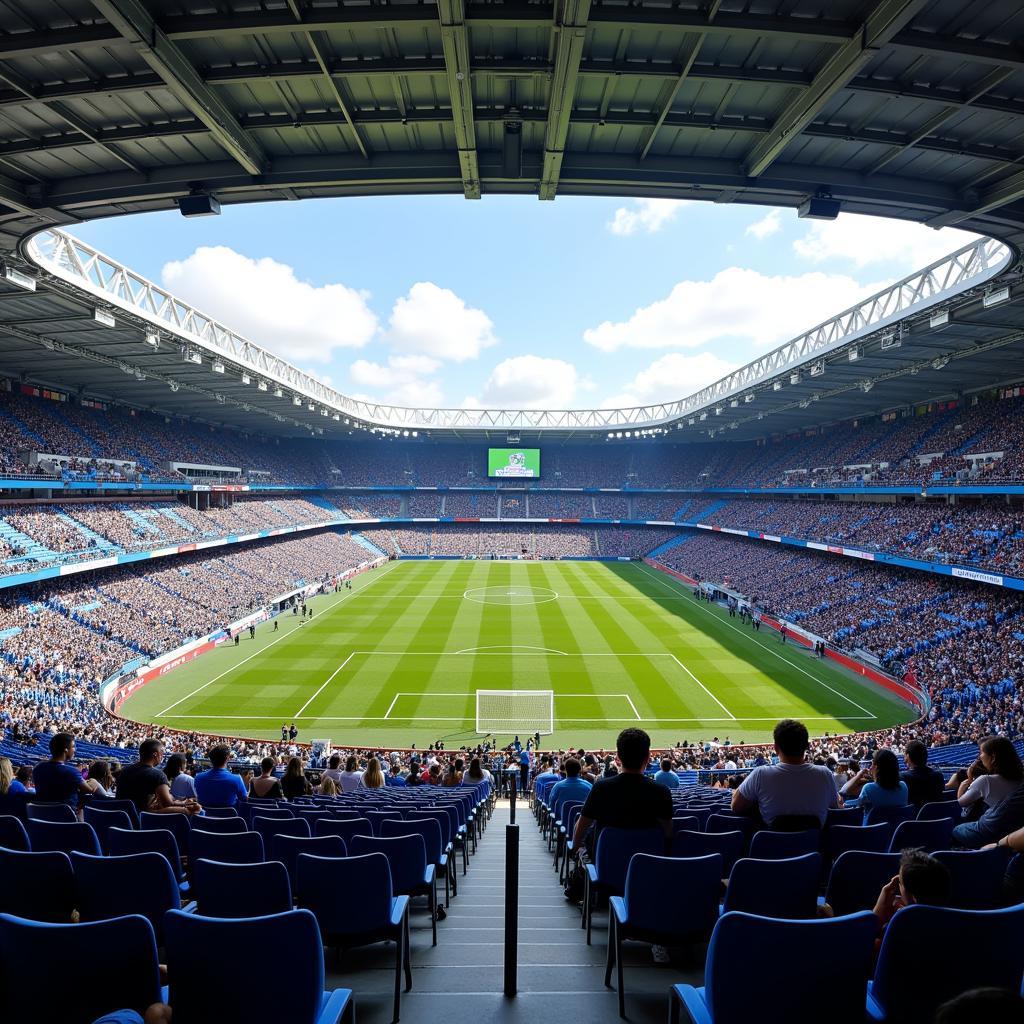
928, 835
782, 845
179, 825
892, 815
286, 849
685, 823
607, 875
240, 890
127, 806
153, 840
430, 829
128, 977
222, 826
103, 821
51, 812
219, 812
62, 837
37, 886
209, 960
12, 833
870, 838
976, 877
267, 828
813, 968
785, 887
699, 844
345, 828
240, 848
668, 901
938, 809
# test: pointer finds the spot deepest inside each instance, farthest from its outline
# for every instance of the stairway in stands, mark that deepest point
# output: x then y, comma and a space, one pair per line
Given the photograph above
460, 981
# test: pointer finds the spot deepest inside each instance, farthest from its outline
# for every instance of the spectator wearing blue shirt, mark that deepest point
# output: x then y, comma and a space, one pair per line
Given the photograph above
394, 777
571, 788
886, 788
667, 777
220, 787
524, 769
57, 781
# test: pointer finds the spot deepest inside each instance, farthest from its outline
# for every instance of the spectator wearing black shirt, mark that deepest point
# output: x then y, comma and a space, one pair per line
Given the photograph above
146, 785
628, 799
924, 784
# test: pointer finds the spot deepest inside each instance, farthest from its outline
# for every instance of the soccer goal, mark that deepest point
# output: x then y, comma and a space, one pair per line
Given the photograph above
518, 711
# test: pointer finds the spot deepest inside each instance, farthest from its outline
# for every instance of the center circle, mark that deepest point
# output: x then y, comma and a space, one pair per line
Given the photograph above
510, 595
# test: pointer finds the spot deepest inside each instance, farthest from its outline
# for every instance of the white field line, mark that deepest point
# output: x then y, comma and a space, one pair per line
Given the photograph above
703, 687
298, 714
239, 664
767, 647
632, 705
420, 718
503, 648
387, 714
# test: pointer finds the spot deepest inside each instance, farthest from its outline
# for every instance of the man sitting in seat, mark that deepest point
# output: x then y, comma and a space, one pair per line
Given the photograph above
924, 784
57, 781
146, 785
792, 794
571, 788
219, 786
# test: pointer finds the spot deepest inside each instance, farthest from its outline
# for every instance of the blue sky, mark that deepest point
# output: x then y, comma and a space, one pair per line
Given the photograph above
513, 302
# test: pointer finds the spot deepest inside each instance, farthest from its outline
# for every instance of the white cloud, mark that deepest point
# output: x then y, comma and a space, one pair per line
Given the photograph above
264, 301
736, 304
434, 321
403, 380
770, 224
530, 382
646, 215
672, 376
864, 241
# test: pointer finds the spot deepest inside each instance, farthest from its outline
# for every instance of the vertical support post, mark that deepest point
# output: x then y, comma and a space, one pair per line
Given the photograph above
511, 907
513, 779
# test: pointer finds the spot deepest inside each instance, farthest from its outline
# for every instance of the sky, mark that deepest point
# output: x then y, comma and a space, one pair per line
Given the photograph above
512, 302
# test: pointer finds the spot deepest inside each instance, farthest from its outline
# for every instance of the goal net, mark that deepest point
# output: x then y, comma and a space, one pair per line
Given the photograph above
517, 711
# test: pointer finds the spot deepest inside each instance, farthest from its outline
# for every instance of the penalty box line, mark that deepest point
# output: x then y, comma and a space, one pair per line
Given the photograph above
558, 696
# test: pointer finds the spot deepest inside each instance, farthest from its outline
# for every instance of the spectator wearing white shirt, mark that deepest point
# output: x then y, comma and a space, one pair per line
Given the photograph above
351, 777
1005, 774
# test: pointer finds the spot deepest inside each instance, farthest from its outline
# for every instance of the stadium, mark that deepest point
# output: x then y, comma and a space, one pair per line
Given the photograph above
737, 673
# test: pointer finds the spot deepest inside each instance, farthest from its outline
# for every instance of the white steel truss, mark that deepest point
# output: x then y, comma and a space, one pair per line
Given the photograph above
75, 263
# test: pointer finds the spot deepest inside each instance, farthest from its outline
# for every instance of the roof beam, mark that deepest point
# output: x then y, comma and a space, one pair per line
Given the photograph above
568, 34
455, 40
336, 88
887, 17
137, 26
692, 43
52, 40
1000, 54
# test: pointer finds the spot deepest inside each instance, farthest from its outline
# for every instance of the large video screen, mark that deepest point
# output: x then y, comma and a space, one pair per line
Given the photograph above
514, 463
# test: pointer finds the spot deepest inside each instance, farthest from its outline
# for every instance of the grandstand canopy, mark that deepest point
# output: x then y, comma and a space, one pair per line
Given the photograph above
904, 108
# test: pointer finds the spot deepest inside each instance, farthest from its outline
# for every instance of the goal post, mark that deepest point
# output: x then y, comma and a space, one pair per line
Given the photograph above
516, 711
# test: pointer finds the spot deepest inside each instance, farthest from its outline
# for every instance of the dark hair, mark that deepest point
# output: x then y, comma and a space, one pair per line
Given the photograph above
916, 754
294, 769
60, 743
149, 748
571, 767
100, 771
334, 761
23, 774
887, 768
634, 749
267, 765
175, 766
219, 755
1005, 757
351, 764
475, 772
982, 1004
666, 764
791, 738
926, 879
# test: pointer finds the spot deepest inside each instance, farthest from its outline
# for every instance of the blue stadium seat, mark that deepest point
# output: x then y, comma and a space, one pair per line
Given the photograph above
12, 833
785, 888
354, 906
219, 812
103, 821
51, 812
977, 877
871, 838
778, 845
63, 837
153, 840
950, 809
892, 815
810, 968
37, 886
345, 828
240, 848
205, 987
666, 900
127, 806
222, 826
936, 834
267, 828
179, 825
430, 829
129, 978
857, 878
699, 844
287, 849
240, 890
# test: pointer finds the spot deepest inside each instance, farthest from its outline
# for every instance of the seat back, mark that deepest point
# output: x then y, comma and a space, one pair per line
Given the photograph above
819, 963
103, 821
205, 987
240, 890
786, 888
240, 848
935, 834
673, 896
407, 858
843, 816
939, 809
154, 840
222, 826
686, 823
346, 829
870, 838
127, 806
376, 818
37, 886
438, 814
616, 848
12, 833
699, 844
221, 812
64, 837
179, 825
51, 812
783, 845
350, 896
729, 823
976, 877
996, 958
129, 979
893, 815
140, 883
426, 827
857, 878
287, 849
267, 828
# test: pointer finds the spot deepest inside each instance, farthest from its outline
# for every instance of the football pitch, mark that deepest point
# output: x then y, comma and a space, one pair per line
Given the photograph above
398, 659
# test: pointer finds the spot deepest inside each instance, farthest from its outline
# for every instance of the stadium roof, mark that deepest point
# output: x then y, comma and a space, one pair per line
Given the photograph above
903, 108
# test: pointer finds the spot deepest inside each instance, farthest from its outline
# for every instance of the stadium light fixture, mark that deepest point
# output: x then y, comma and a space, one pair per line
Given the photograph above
734, 404
246, 379
262, 385
311, 406
296, 400
995, 295
278, 393
415, 433
153, 340
804, 403
101, 316
855, 353
217, 366
192, 356
139, 375
940, 363
818, 368
199, 204
692, 421
794, 378
939, 319
703, 416
719, 409
336, 417
18, 278
776, 385
891, 340
749, 397
48, 344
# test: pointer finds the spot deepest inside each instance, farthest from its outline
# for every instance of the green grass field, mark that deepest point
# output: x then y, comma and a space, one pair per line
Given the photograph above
398, 659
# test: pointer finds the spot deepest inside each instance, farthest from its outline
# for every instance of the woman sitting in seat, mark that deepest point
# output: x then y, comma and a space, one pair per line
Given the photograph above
265, 785
1002, 773
373, 777
295, 784
885, 788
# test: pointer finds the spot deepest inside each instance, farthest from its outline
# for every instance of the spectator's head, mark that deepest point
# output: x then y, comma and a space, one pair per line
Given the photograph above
99, 771
335, 761
151, 751
923, 879
475, 772
791, 740
267, 765
1000, 757
634, 749
666, 764
6, 775
62, 746
294, 769
982, 1004
327, 786
24, 775
219, 755
886, 768
351, 764
572, 768
174, 767
916, 754
373, 777
396, 768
